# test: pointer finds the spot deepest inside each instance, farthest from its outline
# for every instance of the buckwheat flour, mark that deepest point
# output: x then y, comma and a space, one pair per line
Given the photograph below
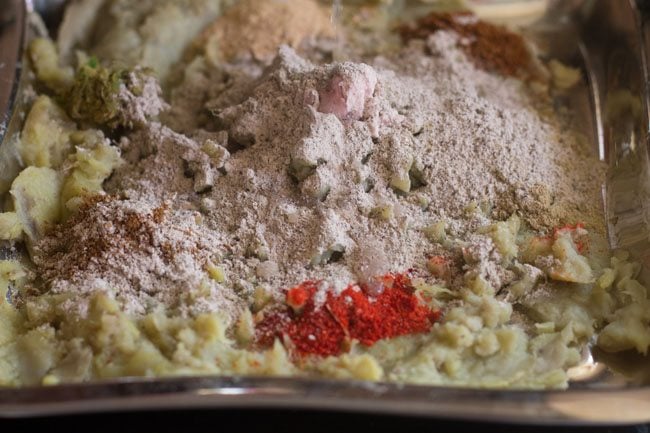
326, 173
140, 254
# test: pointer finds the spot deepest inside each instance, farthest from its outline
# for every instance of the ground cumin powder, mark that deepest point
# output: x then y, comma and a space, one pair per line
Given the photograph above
491, 47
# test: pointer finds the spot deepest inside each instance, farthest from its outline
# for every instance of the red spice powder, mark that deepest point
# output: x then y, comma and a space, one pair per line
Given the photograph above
570, 228
581, 242
352, 315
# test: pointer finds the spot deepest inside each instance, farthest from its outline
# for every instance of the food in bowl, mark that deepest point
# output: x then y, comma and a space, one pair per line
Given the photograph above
249, 188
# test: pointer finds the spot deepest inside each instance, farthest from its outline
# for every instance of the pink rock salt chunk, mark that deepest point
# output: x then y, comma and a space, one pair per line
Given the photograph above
348, 91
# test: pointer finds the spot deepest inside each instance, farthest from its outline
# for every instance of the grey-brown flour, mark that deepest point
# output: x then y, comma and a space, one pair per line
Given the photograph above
293, 172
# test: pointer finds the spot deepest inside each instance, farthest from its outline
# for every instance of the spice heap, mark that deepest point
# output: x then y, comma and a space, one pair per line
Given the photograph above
333, 173
141, 254
491, 47
354, 314
256, 28
291, 216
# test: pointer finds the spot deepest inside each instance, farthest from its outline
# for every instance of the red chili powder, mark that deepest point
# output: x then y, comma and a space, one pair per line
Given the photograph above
582, 243
353, 314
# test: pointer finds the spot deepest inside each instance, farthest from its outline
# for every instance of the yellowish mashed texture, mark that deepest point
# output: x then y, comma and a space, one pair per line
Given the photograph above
476, 345
519, 339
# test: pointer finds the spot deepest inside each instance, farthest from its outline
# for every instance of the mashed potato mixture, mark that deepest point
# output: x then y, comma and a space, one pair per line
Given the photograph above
214, 187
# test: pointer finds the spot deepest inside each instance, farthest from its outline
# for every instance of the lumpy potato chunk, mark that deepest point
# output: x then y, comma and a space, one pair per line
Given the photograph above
45, 140
35, 194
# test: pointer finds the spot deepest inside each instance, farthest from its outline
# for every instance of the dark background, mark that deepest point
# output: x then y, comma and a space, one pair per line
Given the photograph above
267, 421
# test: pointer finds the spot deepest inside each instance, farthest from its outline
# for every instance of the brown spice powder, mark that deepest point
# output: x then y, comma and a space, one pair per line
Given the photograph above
77, 250
143, 253
491, 47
